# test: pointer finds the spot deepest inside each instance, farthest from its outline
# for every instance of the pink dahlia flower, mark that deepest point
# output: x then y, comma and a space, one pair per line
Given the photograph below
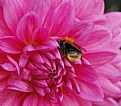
35, 72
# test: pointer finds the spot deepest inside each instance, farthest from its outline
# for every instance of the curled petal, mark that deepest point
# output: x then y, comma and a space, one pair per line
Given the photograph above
24, 59
48, 46
19, 85
40, 35
15, 63
29, 48
40, 91
8, 66
37, 58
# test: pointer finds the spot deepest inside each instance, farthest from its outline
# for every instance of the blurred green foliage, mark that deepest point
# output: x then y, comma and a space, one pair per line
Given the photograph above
112, 5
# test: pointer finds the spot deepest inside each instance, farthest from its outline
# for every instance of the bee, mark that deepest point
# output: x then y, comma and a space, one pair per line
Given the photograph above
69, 50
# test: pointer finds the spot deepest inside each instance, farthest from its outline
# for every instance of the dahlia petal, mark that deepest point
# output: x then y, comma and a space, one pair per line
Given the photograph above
46, 61
40, 91
42, 102
8, 66
11, 45
71, 74
41, 7
37, 58
85, 61
31, 100
86, 73
29, 48
84, 102
26, 74
88, 8
40, 35
19, 85
61, 63
107, 102
91, 91
42, 83
96, 19
59, 70
99, 7
26, 26
80, 31
113, 20
48, 55
43, 48
15, 63
110, 72
59, 84
47, 46
13, 11
107, 85
52, 97
97, 38
68, 83
67, 63
4, 30
56, 53
3, 74
42, 67
1, 3
39, 75
59, 20
60, 95
3, 58
24, 59
75, 86
3, 84
10, 98
53, 43
99, 58
70, 100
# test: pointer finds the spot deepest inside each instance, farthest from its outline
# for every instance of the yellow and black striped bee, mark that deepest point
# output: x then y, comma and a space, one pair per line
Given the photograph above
71, 51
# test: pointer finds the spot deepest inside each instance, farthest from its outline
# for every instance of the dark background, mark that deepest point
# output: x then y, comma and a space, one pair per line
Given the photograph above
112, 5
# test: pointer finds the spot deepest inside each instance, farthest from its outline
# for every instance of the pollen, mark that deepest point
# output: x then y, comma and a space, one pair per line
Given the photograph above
70, 40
